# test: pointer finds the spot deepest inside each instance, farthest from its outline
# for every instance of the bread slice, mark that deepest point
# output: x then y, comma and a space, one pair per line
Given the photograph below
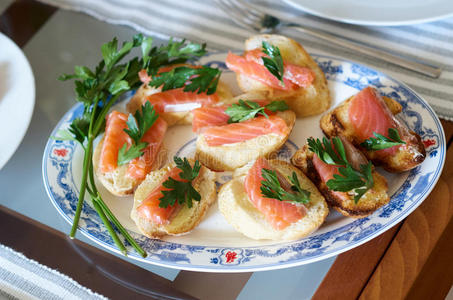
336, 122
232, 156
308, 101
368, 203
237, 209
118, 182
175, 118
184, 219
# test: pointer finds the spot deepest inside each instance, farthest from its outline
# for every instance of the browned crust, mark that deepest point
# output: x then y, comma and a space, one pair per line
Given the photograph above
336, 123
303, 159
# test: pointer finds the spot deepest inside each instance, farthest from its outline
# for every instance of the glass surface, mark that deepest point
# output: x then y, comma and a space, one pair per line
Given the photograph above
69, 39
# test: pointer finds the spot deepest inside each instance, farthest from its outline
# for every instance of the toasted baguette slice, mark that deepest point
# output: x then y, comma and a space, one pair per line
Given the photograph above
118, 182
237, 209
368, 203
232, 156
175, 118
307, 101
183, 219
336, 122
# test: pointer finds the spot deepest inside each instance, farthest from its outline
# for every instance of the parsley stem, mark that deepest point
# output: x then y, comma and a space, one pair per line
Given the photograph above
103, 113
95, 194
120, 227
107, 224
86, 165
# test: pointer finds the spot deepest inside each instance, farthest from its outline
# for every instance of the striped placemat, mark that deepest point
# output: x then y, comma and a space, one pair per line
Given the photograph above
200, 20
22, 278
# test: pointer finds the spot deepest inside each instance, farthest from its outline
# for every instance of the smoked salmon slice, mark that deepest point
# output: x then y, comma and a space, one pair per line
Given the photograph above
326, 173
140, 166
216, 115
177, 100
279, 214
115, 137
251, 65
368, 113
239, 132
208, 116
150, 209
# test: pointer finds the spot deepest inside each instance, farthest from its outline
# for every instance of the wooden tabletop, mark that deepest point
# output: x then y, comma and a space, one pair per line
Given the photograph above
414, 259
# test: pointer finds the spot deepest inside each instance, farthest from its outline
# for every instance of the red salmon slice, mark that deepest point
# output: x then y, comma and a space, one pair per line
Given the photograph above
140, 166
239, 132
300, 76
177, 100
326, 173
150, 209
252, 66
279, 214
208, 116
114, 139
368, 114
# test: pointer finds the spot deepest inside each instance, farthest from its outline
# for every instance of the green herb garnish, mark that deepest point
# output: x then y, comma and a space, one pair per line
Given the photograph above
181, 191
274, 63
383, 142
245, 110
138, 125
204, 79
349, 179
271, 188
98, 90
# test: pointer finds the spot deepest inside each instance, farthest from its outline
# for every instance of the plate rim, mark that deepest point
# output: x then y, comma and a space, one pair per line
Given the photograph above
31, 108
414, 21
275, 265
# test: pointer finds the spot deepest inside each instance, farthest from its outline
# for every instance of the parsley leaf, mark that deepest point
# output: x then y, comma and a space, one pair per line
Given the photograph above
204, 79
326, 152
181, 191
383, 142
271, 188
137, 125
349, 179
170, 54
126, 155
141, 122
274, 63
245, 110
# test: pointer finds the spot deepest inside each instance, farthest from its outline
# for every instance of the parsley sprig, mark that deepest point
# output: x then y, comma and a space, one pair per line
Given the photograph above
97, 90
274, 63
349, 179
245, 110
271, 188
383, 142
137, 125
203, 79
181, 191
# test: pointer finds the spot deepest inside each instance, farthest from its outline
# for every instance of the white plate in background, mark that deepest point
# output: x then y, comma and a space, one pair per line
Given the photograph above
17, 97
377, 13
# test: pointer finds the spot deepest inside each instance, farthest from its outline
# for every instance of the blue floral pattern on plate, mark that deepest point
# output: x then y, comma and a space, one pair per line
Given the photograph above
63, 191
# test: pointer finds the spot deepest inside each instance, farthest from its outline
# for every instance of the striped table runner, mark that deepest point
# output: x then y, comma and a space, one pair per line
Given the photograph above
22, 278
200, 20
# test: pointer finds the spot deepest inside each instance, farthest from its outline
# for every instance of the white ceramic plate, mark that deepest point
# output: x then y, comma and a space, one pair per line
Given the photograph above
17, 97
214, 246
377, 13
